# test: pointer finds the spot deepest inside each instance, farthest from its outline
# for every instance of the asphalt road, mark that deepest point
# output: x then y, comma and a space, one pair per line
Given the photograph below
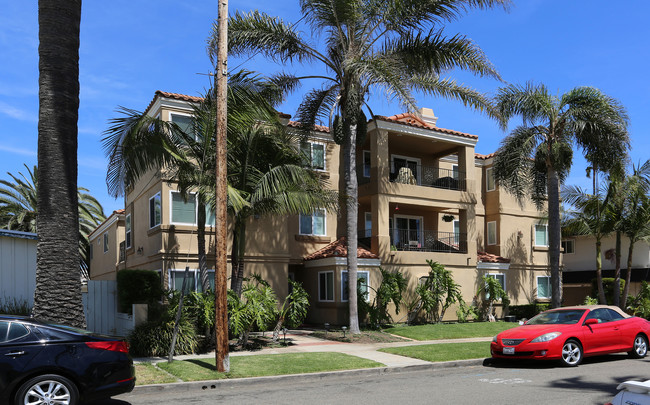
593, 382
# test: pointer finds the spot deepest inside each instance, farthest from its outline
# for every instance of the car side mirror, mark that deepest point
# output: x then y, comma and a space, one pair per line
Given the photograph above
591, 321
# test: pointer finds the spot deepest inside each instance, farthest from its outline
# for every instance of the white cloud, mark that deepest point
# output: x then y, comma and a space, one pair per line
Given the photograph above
18, 151
17, 113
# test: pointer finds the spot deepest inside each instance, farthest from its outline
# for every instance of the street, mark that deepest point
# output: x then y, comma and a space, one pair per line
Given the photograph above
593, 382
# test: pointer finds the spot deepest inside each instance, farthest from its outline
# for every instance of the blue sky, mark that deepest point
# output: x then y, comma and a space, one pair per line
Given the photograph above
131, 49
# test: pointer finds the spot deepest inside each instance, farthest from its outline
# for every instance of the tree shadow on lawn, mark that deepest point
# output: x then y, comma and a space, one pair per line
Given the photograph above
547, 364
203, 363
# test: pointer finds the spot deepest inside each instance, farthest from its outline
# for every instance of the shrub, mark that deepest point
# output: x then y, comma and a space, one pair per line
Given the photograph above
492, 292
527, 310
155, 338
256, 308
390, 290
137, 287
438, 292
13, 306
608, 286
640, 305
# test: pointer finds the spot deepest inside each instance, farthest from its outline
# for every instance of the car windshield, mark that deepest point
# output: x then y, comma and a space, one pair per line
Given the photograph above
567, 316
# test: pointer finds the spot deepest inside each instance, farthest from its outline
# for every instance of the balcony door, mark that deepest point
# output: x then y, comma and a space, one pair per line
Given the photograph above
408, 232
405, 167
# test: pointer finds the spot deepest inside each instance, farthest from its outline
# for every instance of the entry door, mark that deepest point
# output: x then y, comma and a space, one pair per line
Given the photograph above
409, 230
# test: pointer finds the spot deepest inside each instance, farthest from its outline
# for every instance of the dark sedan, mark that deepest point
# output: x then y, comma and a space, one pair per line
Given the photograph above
42, 363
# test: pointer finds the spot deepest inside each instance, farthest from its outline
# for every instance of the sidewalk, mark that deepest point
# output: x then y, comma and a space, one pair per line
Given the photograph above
302, 341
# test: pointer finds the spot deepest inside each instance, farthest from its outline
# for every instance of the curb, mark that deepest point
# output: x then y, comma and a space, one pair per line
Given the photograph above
238, 382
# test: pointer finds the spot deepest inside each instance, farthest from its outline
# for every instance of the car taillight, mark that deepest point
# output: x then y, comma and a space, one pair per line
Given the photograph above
110, 346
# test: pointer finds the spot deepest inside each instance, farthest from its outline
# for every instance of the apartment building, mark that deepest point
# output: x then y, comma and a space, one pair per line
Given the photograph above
424, 194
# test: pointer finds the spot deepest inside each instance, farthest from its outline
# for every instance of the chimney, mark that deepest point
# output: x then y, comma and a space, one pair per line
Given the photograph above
428, 116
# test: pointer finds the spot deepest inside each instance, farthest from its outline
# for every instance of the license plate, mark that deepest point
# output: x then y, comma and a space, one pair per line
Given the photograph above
508, 350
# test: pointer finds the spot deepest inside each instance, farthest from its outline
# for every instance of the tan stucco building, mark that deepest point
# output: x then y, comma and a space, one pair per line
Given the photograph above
423, 194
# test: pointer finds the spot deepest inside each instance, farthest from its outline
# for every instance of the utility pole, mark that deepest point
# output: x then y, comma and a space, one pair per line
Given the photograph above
221, 263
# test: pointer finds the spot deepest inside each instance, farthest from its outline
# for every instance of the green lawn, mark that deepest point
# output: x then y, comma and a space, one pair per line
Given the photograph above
451, 330
266, 364
147, 373
443, 351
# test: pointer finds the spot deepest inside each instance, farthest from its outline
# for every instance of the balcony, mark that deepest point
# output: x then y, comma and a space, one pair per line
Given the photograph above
421, 175
421, 241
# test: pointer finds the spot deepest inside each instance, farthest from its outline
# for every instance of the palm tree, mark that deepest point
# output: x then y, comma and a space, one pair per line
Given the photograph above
58, 286
396, 46
18, 211
536, 157
264, 171
635, 222
591, 216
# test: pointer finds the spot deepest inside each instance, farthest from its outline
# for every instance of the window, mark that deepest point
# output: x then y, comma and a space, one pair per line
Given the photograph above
541, 235
492, 233
456, 232
409, 232
406, 169
455, 172
176, 280
183, 121
315, 153
183, 211
127, 234
501, 278
568, 246
90, 251
489, 179
326, 286
209, 215
105, 242
366, 163
155, 211
313, 224
368, 224
11, 331
543, 287
361, 275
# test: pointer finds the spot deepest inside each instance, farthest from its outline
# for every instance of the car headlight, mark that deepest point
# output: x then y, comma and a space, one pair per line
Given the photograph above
494, 339
546, 337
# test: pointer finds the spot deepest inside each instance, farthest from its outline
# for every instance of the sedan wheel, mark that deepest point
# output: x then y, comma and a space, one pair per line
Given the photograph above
640, 348
49, 389
571, 353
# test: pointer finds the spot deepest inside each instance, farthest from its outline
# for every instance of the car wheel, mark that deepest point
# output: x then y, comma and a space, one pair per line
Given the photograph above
571, 353
46, 390
640, 348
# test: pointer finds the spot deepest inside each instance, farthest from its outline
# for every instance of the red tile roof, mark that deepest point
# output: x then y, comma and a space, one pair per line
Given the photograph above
490, 258
319, 128
485, 157
339, 248
415, 121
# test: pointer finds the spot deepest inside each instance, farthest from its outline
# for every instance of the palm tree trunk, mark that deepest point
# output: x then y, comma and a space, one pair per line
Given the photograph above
554, 236
599, 272
237, 256
617, 272
200, 234
352, 214
628, 276
58, 285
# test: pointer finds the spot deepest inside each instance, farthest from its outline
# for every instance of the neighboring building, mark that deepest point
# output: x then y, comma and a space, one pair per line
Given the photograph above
580, 264
423, 194
17, 267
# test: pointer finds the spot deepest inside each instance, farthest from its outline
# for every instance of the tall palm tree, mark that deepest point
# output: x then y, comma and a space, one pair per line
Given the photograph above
19, 211
261, 179
635, 222
591, 216
395, 46
58, 286
536, 157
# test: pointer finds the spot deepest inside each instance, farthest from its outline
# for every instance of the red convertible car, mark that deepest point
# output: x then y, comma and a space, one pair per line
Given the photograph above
569, 334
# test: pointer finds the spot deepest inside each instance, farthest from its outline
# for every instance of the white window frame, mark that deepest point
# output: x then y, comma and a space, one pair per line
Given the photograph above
152, 213
172, 113
494, 275
311, 154
363, 161
171, 213
535, 235
571, 242
492, 242
105, 238
456, 224
489, 174
418, 161
549, 287
333, 284
455, 172
420, 231
367, 273
128, 231
312, 223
